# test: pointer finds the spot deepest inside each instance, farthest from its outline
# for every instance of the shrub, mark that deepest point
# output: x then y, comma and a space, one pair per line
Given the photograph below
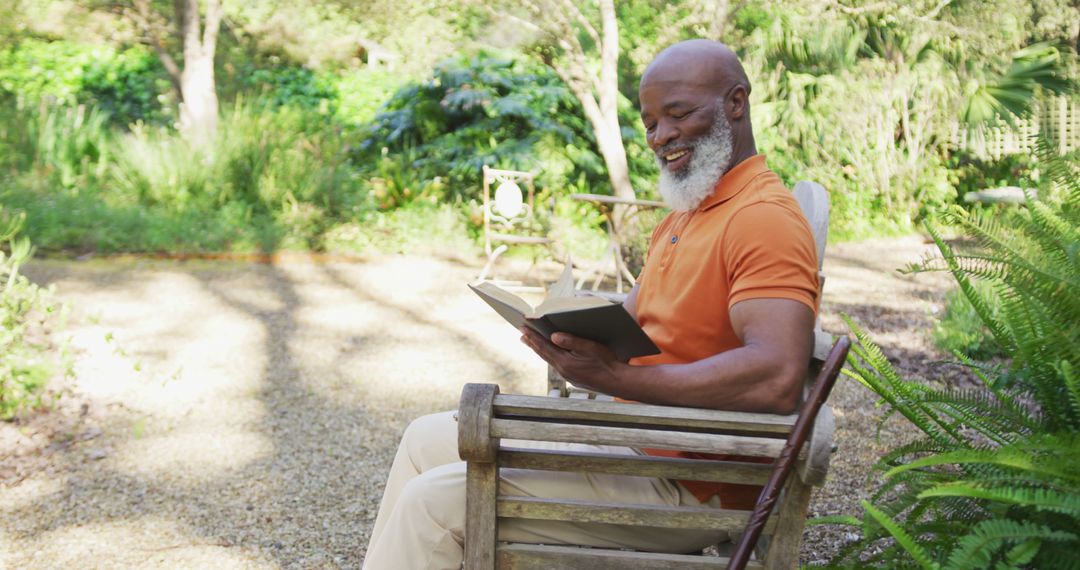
29, 355
961, 329
503, 113
276, 177
126, 84
418, 228
994, 480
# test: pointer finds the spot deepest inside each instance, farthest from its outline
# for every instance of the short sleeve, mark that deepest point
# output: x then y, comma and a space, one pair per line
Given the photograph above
770, 254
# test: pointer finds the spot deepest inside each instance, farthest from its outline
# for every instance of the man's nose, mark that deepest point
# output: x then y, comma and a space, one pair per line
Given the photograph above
662, 135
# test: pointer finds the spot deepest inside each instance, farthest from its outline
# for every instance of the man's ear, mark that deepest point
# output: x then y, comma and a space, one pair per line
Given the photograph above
738, 103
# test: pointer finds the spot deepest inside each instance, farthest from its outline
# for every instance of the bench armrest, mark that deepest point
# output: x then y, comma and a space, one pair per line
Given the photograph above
486, 417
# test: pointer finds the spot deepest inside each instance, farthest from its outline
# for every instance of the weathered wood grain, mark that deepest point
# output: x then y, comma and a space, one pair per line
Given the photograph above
726, 520
641, 414
636, 437
546, 557
639, 465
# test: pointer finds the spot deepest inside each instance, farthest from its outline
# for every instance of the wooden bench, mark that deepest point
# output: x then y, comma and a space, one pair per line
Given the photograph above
486, 417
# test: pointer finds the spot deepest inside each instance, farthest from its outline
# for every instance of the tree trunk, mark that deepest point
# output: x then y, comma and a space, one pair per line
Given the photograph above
609, 135
198, 89
199, 109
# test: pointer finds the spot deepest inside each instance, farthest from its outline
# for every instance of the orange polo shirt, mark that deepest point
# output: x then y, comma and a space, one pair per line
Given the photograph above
748, 240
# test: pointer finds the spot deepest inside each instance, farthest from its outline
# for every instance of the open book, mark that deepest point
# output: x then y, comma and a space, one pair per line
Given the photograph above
594, 318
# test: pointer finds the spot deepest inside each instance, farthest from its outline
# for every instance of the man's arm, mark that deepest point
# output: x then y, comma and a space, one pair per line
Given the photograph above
765, 374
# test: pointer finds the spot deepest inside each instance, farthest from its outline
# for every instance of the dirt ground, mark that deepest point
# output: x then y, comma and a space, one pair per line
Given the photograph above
232, 415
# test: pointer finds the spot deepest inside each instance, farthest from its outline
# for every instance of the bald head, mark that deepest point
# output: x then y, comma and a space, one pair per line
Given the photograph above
706, 62
695, 106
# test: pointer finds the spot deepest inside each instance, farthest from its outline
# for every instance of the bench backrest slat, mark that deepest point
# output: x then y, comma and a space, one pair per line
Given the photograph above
640, 414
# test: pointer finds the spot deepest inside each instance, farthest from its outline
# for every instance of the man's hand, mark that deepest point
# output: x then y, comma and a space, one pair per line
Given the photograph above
763, 375
587, 364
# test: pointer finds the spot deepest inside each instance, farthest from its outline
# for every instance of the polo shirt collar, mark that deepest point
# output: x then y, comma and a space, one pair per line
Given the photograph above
734, 181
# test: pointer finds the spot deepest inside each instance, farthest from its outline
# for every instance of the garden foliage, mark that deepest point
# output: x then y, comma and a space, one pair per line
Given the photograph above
30, 354
274, 177
994, 480
125, 84
862, 100
434, 136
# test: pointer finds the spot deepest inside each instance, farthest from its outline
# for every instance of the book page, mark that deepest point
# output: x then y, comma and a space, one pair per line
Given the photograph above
564, 287
506, 297
562, 304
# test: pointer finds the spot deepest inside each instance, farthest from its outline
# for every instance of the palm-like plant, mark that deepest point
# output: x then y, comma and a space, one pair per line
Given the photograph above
994, 481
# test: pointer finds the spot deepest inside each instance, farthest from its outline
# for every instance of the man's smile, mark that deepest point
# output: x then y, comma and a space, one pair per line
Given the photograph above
676, 160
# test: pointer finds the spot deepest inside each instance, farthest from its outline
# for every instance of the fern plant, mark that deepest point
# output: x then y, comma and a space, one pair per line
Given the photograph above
994, 480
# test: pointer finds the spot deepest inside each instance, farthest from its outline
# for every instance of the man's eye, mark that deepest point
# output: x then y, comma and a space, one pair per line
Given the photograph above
680, 114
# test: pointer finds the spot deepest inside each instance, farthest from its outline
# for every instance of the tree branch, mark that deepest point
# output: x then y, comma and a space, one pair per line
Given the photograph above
875, 7
212, 26
151, 29
572, 8
187, 18
937, 10
609, 61
518, 20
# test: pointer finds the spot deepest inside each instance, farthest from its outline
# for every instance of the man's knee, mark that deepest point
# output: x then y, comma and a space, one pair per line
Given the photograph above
435, 434
438, 494
430, 427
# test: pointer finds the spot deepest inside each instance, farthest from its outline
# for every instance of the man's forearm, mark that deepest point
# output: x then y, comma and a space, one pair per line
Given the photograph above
748, 378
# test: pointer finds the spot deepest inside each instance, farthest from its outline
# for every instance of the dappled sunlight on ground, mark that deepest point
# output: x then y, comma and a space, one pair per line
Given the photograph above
253, 407
244, 416
154, 542
197, 454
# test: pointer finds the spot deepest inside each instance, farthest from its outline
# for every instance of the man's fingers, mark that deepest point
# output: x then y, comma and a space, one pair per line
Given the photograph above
539, 344
580, 345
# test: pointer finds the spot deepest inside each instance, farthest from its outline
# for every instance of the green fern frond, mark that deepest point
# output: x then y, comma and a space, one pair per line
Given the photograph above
1000, 333
995, 482
1059, 556
905, 540
1059, 169
917, 447
1015, 459
979, 410
881, 378
1020, 554
978, 549
1071, 379
1039, 499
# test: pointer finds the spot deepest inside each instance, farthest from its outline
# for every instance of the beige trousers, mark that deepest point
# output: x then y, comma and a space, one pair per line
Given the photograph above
421, 521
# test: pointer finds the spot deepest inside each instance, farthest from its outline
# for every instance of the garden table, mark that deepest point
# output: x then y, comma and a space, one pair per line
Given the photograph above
616, 219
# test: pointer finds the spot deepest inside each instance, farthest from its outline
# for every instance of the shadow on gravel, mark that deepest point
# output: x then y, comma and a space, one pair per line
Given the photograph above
499, 371
309, 502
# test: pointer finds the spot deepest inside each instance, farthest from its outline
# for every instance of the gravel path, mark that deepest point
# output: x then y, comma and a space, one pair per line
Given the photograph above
230, 415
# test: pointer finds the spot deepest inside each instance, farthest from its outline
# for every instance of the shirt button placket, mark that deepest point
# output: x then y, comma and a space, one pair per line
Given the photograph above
676, 234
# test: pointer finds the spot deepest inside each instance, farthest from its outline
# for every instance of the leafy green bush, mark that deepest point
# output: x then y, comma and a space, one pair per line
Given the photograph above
290, 85
972, 174
417, 228
960, 328
276, 177
362, 92
504, 113
994, 480
29, 355
126, 84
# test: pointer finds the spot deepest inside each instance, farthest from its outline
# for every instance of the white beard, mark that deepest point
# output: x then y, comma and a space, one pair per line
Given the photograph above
712, 156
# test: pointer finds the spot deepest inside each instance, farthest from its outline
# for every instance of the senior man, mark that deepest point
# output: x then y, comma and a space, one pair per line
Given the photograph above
728, 294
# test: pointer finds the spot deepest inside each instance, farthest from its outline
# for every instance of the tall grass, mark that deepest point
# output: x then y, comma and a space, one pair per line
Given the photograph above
273, 178
276, 177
